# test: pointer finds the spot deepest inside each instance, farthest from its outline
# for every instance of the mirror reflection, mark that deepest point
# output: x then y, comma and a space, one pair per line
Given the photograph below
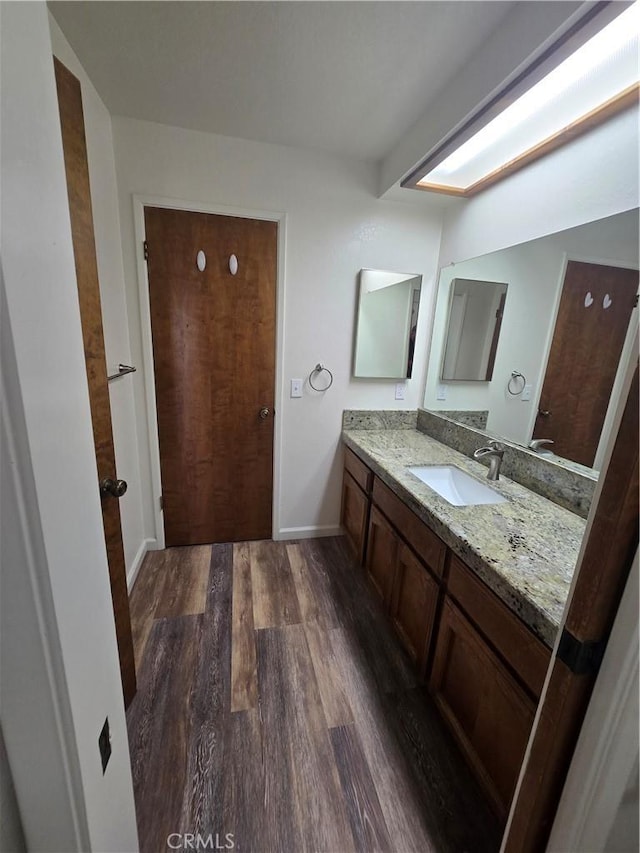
566, 331
386, 326
476, 309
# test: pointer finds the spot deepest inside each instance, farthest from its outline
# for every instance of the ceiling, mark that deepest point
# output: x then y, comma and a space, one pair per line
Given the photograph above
348, 78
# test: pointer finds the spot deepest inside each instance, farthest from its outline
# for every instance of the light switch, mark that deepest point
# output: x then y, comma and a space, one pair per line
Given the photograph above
400, 388
442, 392
296, 387
526, 393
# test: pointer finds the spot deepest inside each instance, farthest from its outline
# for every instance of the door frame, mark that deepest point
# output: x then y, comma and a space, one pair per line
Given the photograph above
140, 201
626, 356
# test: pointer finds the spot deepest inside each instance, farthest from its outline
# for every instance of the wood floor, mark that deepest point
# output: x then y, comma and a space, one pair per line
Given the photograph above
275, 704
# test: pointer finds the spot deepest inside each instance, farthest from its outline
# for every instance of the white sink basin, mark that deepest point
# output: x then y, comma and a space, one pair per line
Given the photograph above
456, 486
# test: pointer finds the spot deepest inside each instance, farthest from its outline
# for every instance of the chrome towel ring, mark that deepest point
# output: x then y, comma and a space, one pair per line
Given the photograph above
515, 377
317, 370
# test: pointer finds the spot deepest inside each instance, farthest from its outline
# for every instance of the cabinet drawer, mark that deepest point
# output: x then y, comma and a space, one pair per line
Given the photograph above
489, 713
424, 541
520, 648
358, 470
354, 515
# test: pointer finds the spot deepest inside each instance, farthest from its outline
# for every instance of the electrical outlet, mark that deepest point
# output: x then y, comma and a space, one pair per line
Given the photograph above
400, 389
104, 744
442, 392
296, 387
526, 393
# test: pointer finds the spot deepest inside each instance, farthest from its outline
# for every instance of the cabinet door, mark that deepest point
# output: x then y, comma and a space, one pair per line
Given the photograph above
489, 713
413, 608
382, 551
355, 509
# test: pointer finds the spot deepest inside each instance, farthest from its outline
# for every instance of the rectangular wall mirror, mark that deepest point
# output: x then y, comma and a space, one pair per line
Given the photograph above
386, 325
473, 328
567, 330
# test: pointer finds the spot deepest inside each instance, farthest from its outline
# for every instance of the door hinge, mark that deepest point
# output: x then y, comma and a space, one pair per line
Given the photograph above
635, 301
161, 502
145, 248
581, 658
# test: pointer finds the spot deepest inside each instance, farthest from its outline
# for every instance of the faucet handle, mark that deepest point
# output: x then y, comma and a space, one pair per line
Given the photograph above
497, 445
537, 443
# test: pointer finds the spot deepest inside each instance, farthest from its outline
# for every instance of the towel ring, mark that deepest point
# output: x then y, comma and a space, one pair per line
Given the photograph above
320, 368
515, 376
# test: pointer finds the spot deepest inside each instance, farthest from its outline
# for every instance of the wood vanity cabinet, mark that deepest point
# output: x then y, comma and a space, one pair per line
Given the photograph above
486, 678
485, 668
356, 488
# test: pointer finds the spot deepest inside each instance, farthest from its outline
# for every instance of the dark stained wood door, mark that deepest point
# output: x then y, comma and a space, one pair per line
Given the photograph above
77, 173
593, 318
354, 515
214, 360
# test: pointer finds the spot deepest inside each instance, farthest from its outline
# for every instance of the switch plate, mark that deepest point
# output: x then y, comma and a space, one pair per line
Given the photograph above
296, 387
526, 393
104, 744
400, 389
442, 392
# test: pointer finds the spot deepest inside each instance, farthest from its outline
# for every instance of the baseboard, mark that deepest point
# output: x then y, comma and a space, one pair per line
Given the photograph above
132, 574
312, 532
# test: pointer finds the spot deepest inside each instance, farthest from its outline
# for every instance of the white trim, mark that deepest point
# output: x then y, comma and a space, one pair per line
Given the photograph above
132, 573
39, 620
313, 531
139, 203
605, 753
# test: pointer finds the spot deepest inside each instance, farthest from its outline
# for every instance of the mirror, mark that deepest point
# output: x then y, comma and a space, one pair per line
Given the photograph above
386, 325
536, 273
473, 329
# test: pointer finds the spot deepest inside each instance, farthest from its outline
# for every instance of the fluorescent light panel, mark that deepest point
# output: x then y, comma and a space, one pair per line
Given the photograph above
602, 69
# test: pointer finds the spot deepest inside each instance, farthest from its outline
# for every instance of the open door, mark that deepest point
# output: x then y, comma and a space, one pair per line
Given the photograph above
77, 172
607, 556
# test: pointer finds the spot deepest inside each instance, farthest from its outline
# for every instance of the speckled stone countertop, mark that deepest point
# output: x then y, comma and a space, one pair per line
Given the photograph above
525, 549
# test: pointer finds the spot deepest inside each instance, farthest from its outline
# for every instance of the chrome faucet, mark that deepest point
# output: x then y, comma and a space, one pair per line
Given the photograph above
538, 444
495, 451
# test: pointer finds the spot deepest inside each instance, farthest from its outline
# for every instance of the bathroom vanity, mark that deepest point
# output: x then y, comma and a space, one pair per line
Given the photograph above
475, 593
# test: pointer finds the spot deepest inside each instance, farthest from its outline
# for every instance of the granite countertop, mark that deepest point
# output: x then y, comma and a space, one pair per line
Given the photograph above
525, 549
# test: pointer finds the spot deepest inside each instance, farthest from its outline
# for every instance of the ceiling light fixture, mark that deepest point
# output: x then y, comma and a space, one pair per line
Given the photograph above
595, 82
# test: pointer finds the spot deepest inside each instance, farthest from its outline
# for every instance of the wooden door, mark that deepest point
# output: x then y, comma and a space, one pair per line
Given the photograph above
413, 608
487, 710
593, 318
214, 361
382, 555
77, 173
602, 574
355, 513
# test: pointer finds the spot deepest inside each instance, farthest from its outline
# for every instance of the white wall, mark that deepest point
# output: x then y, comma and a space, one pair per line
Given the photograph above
591, 178
334, 227
56, 540
534, 272
104, 200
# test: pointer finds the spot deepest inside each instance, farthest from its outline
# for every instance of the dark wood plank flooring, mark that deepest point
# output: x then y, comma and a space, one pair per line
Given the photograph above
275, 704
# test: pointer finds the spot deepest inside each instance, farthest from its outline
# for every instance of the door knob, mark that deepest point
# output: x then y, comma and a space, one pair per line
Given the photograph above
544, 413
264, 412
115, 488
